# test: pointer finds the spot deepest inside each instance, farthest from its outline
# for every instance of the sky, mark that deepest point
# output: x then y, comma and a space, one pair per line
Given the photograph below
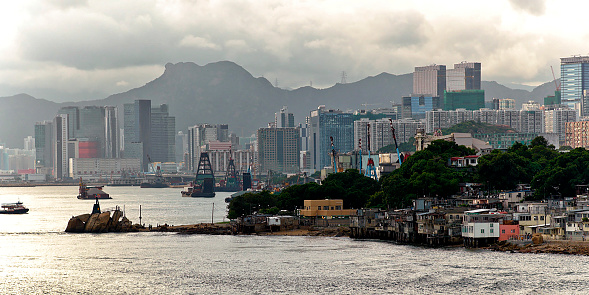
73, 50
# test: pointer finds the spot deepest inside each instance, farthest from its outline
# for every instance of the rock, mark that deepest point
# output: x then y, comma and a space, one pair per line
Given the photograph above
537, 239
90, 223
75, 225
114, 224
84, 217
98, 223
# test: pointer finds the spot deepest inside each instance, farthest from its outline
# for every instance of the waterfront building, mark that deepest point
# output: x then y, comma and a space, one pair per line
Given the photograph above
481, 227
44, 147
332, 208
278, 149
102, 168
470, 99
323, 125
429, 81
574, 72
137, 134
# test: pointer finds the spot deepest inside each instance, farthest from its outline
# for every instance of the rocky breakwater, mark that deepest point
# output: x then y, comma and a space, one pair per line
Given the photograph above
100, 222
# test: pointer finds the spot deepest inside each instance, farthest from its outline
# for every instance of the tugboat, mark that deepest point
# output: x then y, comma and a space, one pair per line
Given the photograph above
14, 208
204, 182
91, 192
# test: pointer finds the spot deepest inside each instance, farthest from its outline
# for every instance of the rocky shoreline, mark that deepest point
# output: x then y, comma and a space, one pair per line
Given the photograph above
548, 247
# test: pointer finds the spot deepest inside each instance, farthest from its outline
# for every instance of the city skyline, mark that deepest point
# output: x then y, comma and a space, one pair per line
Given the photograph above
63, 50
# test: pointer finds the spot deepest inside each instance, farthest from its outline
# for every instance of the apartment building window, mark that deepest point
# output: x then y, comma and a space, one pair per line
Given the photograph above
513, 231
325, 207
502, 231
541, 217
482, 230
535, 217
491, 231
338, 207
318, 207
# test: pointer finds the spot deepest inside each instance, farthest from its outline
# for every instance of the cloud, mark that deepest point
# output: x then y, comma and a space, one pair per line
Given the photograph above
533, 7
122, 83
89, 45
198, 42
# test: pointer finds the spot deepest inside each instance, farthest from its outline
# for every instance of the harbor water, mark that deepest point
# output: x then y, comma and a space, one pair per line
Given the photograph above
37, 257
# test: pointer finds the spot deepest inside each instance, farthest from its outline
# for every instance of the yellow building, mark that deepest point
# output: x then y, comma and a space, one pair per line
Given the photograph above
325, 208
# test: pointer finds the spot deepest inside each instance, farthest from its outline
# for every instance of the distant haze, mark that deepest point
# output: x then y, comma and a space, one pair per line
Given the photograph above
224, 92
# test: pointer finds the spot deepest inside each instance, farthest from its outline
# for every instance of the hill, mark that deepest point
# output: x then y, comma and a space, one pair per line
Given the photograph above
224, 92
477, 127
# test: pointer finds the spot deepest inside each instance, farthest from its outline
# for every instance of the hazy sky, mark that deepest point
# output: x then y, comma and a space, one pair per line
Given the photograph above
74, 49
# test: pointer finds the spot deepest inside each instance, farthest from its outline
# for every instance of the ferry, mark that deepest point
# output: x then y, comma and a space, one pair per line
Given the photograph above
13, 208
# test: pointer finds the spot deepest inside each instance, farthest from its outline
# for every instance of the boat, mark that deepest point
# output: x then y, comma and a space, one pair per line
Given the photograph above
13, 208
203, 185
91, 192
158, 182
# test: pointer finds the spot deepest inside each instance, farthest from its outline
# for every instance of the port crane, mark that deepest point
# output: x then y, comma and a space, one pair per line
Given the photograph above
370, 167
333, 155
395, 139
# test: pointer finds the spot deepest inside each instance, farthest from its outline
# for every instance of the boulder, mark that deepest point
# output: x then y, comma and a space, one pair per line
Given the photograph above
90, 223
114, 224
76, 225
84, 217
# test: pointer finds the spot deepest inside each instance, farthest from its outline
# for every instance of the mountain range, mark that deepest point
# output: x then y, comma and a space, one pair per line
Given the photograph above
224, 92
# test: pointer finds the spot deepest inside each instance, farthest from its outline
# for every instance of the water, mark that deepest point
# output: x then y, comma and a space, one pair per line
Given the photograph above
37, 257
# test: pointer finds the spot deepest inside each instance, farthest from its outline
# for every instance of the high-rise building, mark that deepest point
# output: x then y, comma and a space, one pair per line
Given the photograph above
60, 146
323, 125
163, 132
29, 143
574, 75
111, 143
464, 99
414, 107
278, 149
73, 117
464, 76
137, 124
200, 135
283, 118
380, 134
555, 121
429, 80
44, 146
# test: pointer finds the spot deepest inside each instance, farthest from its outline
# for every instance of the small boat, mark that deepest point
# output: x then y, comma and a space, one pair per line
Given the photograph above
91, 192
14, 208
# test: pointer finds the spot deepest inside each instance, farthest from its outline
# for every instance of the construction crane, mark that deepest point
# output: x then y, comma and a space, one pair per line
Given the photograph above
553, 76
370, 168
395, 139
